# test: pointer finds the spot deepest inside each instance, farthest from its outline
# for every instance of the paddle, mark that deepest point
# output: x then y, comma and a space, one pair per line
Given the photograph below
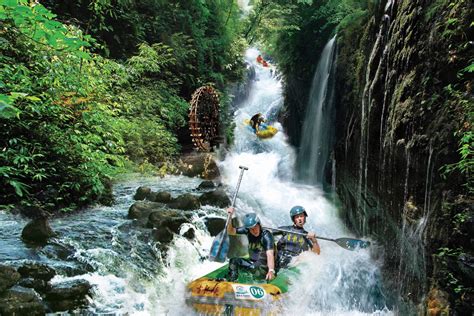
346, 243
220, 245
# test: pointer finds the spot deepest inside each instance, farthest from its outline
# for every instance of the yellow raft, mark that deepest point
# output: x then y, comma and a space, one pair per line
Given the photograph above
265, 131
213, 295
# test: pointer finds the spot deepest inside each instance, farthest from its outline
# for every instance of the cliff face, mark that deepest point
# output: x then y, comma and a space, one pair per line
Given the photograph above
401, 98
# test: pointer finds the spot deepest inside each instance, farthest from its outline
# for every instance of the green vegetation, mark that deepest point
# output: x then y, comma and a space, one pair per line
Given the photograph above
294, 32
72, 119
453, 24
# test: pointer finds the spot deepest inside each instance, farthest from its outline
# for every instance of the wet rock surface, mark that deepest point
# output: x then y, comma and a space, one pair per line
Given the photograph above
216, 198
37, 231
28, 291
394, 133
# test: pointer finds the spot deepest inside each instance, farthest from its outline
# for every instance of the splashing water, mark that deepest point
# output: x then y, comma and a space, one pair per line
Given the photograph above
338, 282
131, 275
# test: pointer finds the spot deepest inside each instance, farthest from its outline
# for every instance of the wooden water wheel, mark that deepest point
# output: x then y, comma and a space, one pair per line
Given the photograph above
204, 118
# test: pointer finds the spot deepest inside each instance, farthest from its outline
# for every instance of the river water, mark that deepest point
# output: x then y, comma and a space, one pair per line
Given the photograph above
133, 276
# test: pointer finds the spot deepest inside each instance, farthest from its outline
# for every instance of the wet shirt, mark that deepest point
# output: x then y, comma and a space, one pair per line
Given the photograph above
258, 245
293, 244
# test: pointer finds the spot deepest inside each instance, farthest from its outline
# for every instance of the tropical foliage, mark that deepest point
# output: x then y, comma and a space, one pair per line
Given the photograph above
294, 32
71, 118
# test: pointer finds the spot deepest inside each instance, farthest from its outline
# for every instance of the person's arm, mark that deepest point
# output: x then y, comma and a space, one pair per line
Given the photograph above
312, 236
268, 245
230, 228
271, 265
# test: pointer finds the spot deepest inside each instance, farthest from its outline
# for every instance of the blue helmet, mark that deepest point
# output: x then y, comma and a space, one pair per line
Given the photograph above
250, 220
296, 210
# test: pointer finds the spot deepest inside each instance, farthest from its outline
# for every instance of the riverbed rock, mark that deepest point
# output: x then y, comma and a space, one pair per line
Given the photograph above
190, 233
171, 219
214, 224
38, 285
20, 301
206, 185
215, 198
68, 295
142, 193
185, 202
37, 271
163, 197
142, 209
163, 235
8, 277
199, 164
37, 231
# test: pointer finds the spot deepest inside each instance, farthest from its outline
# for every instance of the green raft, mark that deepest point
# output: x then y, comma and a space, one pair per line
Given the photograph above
212, 294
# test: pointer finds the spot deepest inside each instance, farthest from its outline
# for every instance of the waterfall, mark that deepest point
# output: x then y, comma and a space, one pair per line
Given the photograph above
131, 274
337, 282
318, 125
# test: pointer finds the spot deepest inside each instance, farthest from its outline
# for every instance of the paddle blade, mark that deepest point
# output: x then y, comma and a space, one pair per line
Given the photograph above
220, 247
352, 244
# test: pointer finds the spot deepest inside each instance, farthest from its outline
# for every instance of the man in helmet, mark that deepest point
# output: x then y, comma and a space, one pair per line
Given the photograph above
261, 261
255, 121
291, 245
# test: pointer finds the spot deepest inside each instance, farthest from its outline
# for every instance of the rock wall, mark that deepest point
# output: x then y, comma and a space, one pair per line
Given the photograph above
402, 96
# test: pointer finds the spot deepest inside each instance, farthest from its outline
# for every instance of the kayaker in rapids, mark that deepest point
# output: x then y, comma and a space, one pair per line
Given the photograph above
291, 245
255, 122
261, 261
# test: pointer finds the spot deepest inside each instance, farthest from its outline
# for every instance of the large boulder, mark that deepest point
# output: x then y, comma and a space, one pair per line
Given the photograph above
215, 198
37, 271
37, 231
206, 185
68, 295
20, 301
166, 223
185, 202
163, 235
142, 209
142, 193
38, 285
199, 165
8, 277
171, 219
214, 224
163, 197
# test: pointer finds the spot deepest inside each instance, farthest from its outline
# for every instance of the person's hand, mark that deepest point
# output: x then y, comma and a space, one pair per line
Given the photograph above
312, 236
270, 275
230, 210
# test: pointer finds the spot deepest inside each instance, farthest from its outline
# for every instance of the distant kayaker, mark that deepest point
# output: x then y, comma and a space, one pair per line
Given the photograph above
259, 59
261, 261
256, 120
291, 245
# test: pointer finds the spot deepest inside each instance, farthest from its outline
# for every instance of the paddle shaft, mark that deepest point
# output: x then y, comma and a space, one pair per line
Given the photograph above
347, 243
242, 169
296, 233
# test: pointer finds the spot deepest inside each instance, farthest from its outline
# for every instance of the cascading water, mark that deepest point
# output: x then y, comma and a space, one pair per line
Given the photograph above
317, 128
337, 281
132, 275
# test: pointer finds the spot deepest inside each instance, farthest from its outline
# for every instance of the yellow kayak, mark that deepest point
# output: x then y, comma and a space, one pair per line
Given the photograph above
265, 131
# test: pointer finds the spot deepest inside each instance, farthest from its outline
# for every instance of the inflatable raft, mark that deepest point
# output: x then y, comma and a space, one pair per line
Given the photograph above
265, 131
212, 294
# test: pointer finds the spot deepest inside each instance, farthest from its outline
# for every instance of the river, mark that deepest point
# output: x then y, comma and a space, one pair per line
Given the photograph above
133, 276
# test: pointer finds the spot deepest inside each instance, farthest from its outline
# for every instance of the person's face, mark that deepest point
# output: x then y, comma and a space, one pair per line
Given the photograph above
299, 220
255, 230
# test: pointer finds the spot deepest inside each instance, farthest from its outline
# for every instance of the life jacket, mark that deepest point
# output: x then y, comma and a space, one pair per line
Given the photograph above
292, 244
258, 247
